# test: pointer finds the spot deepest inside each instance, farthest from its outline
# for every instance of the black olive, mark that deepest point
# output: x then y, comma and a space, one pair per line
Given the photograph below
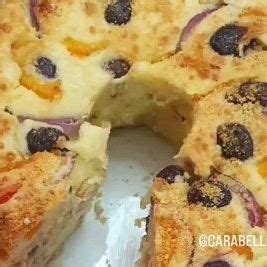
170, 172
43, 139
209, 193
249, 92
117, 67
235, 141
226, 40
46, 67
119, 13
218, 263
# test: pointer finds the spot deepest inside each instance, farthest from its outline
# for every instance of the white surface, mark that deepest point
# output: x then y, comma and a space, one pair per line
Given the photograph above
135, 155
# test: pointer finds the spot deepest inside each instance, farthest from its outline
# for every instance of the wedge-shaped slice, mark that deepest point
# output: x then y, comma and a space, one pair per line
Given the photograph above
43, 196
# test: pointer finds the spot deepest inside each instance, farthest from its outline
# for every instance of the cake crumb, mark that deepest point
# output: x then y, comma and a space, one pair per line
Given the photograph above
138, 223
99, 194
145, 200
27, 221
99, 212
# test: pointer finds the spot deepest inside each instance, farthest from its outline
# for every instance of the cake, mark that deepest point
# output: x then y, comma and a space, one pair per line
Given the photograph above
222, 195
192, 70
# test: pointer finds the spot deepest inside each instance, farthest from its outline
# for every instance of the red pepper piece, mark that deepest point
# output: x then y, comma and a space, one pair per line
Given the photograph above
7, 196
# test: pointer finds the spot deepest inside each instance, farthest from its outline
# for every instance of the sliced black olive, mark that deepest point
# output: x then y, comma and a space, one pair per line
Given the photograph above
226, 40
117, 67
46, 67
235, 141
43, 139
119, 13
209, 193
249, 92
170, 172
217, 264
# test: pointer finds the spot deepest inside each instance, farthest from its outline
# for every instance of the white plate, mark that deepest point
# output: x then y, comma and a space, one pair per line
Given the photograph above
135, 156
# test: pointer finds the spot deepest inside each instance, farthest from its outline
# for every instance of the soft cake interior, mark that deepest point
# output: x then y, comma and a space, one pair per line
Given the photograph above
156, 104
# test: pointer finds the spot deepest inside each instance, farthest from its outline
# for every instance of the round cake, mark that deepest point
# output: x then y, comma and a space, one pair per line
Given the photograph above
194, 71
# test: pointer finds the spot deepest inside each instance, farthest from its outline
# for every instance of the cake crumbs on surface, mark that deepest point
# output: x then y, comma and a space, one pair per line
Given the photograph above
26, 221
98, 209
138, 223
145, 200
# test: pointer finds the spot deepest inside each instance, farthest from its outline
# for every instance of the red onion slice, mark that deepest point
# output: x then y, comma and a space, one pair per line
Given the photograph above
7, 196
192, 25
252, 207
70, 126
33, 14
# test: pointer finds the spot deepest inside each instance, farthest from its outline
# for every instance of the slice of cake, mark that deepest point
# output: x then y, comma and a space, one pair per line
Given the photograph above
48, 178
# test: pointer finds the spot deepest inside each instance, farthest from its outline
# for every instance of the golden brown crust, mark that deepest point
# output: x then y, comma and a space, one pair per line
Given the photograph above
35, 193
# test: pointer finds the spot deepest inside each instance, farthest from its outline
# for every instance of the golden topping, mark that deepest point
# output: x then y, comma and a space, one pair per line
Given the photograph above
245, 251
262, 167
81, 49
51, 91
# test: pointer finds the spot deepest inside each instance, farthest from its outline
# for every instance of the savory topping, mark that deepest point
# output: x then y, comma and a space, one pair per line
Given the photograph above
262, 168
70, 126
33, 14
82, 49
171, 173
6, 196
250, 92
209, 193
44, 139
46, 67
117, 67
226, 40
244, 251
251, 205
218, 263
50, 90
119, 13
192, 25
235, 141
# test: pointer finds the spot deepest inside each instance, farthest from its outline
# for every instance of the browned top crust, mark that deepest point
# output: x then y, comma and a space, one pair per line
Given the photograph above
29, 191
